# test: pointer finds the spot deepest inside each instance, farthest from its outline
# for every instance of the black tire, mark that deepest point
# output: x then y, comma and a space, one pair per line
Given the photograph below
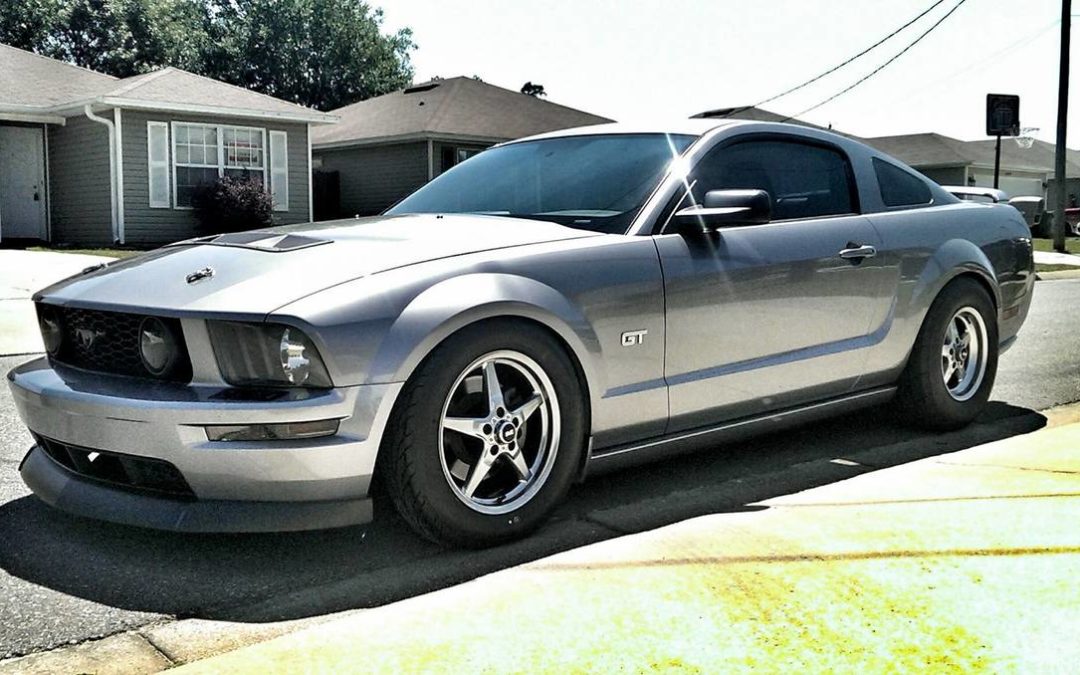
923, 396
410, 459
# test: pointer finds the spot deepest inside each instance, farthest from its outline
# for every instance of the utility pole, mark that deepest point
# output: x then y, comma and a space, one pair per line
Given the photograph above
1060, 198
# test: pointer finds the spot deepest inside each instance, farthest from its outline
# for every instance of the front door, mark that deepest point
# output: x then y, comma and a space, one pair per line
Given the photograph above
764, 317
22, 183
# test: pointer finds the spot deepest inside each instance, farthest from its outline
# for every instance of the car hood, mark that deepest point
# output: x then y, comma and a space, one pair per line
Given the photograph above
257, 272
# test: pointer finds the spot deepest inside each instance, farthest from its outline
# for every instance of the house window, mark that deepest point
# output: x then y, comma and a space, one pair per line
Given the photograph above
465, 153
202, 153
452, 156
243, 152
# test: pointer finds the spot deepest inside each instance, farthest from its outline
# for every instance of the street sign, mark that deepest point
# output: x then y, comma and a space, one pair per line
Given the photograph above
1002, 115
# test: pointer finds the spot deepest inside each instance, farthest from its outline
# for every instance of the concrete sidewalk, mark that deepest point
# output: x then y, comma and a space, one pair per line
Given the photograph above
966, 561
23, 273
1055, 258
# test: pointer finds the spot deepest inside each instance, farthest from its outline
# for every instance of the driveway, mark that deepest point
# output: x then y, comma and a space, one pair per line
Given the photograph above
22, 273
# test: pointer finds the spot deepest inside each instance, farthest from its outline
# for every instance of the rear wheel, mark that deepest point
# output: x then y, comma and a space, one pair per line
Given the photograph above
487, 437
952, 366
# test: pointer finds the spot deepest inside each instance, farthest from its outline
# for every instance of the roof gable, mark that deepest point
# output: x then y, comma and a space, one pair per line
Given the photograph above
457, 107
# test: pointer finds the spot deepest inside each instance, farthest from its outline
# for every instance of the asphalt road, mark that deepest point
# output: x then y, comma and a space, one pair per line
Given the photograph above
64, 579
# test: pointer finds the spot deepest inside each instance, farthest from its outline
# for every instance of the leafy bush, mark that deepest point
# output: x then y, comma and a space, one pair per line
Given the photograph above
232, 204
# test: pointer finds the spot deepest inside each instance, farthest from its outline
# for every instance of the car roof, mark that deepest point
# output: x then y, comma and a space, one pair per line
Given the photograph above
688, 127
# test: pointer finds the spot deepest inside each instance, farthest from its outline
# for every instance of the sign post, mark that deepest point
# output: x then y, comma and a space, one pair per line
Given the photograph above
1002, 119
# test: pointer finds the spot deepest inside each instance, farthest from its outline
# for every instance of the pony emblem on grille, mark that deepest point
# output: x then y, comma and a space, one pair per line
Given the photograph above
87, 336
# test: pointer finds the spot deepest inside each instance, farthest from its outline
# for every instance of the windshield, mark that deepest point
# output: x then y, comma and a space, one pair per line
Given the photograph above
588, 182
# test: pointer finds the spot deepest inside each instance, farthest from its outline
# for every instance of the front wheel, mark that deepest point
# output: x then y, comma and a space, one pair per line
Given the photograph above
488, 436
952, 366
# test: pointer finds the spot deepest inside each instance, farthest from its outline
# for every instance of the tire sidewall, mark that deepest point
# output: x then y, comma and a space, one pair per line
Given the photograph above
946, 410
441, 371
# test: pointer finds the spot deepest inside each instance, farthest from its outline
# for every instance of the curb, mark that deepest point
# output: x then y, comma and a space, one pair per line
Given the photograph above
1060, 274
156, 646
163, 645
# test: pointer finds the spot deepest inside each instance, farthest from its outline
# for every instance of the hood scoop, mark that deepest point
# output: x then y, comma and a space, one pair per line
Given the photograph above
258, 241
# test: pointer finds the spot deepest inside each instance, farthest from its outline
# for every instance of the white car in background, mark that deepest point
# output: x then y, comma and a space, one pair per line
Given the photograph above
984, 195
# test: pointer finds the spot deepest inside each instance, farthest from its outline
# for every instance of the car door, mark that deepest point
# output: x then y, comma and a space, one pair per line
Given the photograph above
764, 317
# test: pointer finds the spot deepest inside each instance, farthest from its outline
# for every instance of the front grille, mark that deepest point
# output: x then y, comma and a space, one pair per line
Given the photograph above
138, 474
108, 342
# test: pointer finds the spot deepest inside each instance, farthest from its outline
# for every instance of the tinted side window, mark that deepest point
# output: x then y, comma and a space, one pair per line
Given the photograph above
898, 187
804, 181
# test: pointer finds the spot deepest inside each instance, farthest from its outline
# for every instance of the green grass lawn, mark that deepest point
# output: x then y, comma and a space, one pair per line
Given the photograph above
1072, 245
109, 252
1039, 269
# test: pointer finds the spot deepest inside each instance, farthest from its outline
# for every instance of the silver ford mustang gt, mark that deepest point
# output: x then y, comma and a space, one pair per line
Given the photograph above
552, 307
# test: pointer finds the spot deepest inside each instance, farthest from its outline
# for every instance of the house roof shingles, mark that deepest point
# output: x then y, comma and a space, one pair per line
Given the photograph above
929, 150
458, 107
751, 113
172, 85
37, 82
27, 79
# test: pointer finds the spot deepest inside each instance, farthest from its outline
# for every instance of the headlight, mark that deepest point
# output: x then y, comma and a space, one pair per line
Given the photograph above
52, 332
266, 354
158, 347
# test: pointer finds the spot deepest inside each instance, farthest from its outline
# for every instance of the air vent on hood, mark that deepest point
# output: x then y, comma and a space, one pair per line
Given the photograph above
260, 241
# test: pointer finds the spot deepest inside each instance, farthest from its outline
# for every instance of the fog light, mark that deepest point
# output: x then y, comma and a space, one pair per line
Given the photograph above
157, 347
52, 333
273, 432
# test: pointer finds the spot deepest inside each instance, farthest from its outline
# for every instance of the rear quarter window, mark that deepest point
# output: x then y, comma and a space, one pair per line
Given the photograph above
899, 187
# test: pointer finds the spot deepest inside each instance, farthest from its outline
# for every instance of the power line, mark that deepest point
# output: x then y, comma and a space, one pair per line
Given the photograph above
882, 66
832, 70
977, 66
837, 67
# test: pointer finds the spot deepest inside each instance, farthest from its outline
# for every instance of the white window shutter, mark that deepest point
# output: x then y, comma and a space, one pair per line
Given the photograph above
279, 169
157, 148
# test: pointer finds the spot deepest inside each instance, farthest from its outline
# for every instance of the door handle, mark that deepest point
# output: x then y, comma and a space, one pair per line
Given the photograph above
855, 252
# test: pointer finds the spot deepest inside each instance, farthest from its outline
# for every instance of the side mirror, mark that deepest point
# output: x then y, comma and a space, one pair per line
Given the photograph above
726, 208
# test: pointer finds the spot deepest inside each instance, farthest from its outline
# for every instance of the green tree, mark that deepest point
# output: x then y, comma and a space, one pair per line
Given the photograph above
319, 53
27, 24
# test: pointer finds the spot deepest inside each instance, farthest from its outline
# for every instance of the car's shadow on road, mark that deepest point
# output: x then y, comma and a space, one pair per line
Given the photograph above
273, 577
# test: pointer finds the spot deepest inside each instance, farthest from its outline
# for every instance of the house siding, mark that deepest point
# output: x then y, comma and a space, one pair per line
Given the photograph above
144, 225
373, 178
79, 183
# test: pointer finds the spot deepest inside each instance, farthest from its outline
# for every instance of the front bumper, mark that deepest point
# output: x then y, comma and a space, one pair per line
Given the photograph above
236, 485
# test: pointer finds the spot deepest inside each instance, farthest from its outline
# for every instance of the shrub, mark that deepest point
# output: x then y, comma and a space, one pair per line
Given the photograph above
232, 204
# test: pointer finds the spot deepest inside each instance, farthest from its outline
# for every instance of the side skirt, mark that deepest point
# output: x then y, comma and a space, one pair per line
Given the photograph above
653, 449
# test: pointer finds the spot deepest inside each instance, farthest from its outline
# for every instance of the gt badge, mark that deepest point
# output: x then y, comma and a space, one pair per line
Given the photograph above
632, 338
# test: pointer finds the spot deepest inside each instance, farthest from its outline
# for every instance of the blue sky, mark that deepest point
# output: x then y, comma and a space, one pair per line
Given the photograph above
639, 59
